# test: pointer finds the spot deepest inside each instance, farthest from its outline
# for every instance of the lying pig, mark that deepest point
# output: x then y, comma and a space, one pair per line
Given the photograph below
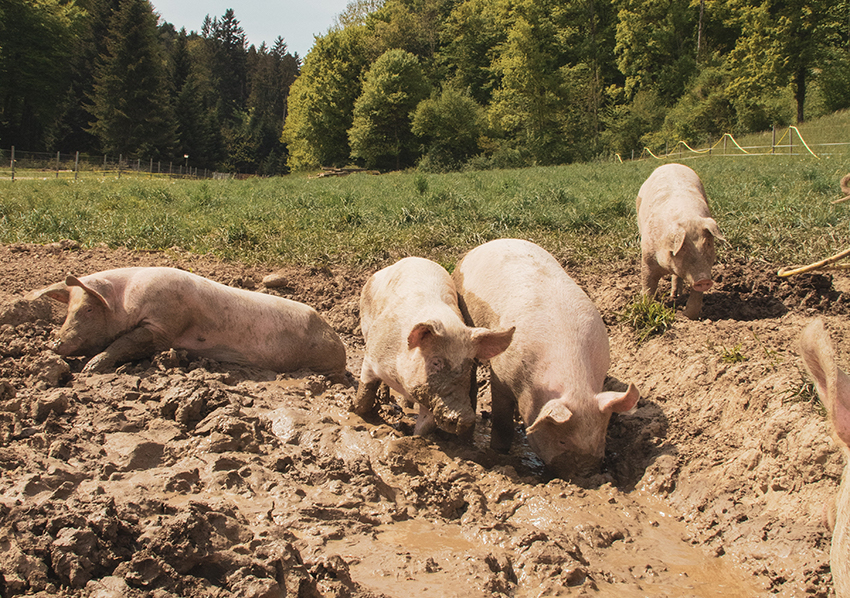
677, 233
131, 313
556, 364
418, 345
834, 389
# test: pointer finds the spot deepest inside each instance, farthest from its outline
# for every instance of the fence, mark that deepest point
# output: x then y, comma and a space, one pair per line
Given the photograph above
43, 165
728, 146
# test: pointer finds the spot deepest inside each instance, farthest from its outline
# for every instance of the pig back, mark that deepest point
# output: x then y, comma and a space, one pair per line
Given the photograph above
672, 192
559, 332
400, 294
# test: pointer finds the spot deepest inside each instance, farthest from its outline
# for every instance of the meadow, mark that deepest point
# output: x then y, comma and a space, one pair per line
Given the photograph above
772, 208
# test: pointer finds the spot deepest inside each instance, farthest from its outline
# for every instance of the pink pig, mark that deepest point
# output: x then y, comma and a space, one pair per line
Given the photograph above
556, 365
418, 345
677, 233
834, 389
131, 313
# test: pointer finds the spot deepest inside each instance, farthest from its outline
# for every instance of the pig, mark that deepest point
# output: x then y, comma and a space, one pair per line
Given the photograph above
130, 313
833, 386
555, 367
677, 234
418, 345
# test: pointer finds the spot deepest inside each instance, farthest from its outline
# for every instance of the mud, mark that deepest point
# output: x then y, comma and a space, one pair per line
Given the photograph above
173, 477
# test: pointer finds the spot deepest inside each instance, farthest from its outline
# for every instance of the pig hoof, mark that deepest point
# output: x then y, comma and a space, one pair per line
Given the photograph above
97, 365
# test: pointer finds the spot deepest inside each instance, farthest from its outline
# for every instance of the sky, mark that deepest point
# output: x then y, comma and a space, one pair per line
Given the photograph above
296, 21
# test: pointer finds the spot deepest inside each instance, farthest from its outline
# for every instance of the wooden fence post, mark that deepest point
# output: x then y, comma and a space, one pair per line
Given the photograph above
76, 165
13, 162
57, 165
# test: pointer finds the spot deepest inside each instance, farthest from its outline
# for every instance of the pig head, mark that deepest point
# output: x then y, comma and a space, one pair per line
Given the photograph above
833, 387
571, 442
93, 320
418, 345
677, 234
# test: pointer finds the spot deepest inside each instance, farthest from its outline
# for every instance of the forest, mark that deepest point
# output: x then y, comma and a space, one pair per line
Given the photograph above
438, 85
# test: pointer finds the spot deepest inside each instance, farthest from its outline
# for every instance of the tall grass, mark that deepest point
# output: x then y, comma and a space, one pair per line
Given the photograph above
771, 208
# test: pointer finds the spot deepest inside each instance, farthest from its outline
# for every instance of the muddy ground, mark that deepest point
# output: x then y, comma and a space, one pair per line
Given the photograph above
174, 477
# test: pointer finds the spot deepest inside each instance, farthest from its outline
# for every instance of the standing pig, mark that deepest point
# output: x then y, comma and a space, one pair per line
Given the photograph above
677, 233
418, 344
834, 389
556, 364
131, 313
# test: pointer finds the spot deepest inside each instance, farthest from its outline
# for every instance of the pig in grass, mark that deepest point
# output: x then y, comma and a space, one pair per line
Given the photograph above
554, 368
677, 233
834, 389
418, 345
131, 313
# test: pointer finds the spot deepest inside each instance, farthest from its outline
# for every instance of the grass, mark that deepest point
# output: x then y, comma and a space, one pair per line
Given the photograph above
775, 209
648, 317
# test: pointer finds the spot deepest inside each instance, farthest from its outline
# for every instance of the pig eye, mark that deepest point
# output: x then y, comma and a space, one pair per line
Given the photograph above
435, 364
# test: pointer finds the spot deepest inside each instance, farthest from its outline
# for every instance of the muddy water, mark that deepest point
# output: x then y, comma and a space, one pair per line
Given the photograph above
653, 559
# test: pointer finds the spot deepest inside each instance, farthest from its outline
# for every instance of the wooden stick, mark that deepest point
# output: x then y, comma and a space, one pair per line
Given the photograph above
842, 199
790, 272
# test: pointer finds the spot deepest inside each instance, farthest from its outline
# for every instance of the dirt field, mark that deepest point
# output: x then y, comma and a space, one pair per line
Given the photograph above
199, 479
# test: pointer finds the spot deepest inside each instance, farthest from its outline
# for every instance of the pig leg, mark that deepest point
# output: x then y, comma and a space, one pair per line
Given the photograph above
694, 305
675, 286
366, 400
503, 406
136, 344
650, 274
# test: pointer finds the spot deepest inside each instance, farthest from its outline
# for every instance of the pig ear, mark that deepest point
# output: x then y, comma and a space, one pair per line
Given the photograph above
832, 384
554, 412
619, 402
73, 281
57, 292
489, 343
422, 333
678, 240
711, 226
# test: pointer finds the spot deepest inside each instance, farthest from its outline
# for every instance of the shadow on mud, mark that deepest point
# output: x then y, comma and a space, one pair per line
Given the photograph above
753, 291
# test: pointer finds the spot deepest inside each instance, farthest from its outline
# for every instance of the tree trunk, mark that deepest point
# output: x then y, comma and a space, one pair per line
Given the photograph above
800, 93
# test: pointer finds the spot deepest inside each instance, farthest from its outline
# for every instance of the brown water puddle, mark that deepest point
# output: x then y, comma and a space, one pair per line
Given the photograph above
434, 559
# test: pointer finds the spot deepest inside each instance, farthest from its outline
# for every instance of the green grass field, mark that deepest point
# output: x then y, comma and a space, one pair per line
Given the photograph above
773, 208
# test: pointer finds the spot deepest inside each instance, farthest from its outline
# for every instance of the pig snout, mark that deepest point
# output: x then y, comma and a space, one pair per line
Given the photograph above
452, 412
574, 465
702, 285
456, 421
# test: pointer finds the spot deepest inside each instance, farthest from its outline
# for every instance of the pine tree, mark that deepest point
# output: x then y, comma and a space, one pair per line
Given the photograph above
130, 102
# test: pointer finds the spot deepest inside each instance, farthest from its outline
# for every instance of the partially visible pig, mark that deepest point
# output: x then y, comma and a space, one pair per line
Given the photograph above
555, 367
677, 233
418, 345
131, 313
834, 389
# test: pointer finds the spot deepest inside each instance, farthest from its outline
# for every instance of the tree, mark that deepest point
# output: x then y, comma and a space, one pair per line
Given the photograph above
381, 134
782, 42
450, 124
130, 102
229, 62
33, 58
321, 101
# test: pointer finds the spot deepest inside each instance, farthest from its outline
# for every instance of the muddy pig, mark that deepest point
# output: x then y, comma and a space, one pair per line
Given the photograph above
834, 389
418, 345
554, 368
677, 233
130, 313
